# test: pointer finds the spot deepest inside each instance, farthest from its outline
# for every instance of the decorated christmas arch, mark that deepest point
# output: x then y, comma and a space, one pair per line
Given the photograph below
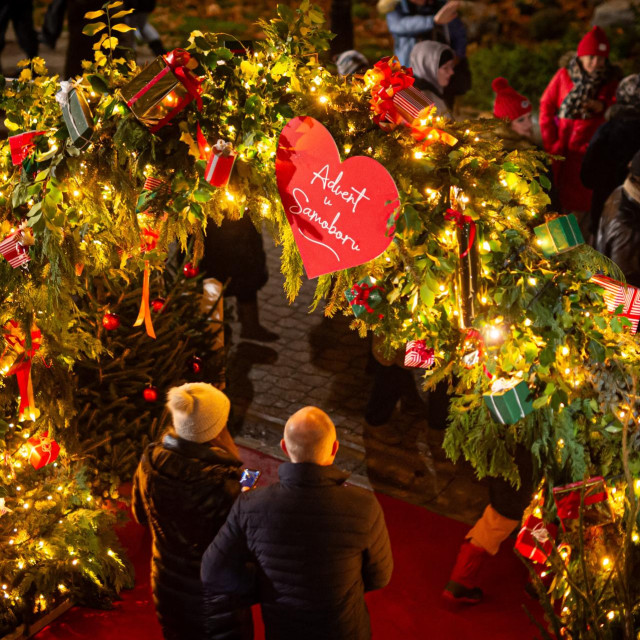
429, 232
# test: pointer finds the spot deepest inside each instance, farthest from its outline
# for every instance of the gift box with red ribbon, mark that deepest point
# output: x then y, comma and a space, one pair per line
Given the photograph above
417, 354
14, 247
365, 298
535, 540
220, 164
163, 89
617, 294
42, 450
22, 145
592, 495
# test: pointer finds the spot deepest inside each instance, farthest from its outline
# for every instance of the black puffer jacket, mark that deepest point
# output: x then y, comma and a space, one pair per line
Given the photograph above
183, 491
619, 234
310, 547
605, 164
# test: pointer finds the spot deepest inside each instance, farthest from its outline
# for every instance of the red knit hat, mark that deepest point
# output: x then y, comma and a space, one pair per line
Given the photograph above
595, 43
509, 103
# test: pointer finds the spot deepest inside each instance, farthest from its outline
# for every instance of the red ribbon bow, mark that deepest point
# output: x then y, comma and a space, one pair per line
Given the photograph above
388, 77
178, 59
569, 504
363, 291
460, 219
475, 335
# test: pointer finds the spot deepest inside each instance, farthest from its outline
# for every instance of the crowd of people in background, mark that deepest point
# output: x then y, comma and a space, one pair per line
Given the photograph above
308, 548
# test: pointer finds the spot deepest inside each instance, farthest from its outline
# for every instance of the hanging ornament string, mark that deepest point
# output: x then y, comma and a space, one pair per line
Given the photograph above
461, 219
16, 340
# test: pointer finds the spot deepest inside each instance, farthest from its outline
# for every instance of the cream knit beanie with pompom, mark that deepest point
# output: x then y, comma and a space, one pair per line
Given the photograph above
199, 411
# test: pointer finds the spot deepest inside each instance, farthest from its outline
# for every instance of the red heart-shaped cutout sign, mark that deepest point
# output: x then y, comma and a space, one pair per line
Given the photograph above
338, 211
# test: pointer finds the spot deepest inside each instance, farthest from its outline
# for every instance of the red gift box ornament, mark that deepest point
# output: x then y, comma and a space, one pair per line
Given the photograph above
417, 354
22, 145
14, 247
535, 540
592, 495
220, 164
21, 368
42, 450
618, 294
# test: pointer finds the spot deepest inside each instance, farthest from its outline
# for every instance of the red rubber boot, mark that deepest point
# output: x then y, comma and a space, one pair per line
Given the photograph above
461, 586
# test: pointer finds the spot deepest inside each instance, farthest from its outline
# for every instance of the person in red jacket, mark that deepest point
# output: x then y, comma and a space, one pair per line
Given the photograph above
572, 108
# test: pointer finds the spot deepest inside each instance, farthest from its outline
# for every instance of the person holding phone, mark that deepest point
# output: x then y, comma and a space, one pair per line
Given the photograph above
183, 490
307, 547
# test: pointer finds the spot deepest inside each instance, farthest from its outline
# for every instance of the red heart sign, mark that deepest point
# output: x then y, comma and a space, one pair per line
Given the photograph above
338, 210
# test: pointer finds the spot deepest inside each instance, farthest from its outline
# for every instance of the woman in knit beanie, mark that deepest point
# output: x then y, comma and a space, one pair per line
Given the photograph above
571, 110
513, 107
183, 490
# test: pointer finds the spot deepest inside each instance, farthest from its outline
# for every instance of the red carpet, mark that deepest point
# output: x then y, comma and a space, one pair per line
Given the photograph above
410, 608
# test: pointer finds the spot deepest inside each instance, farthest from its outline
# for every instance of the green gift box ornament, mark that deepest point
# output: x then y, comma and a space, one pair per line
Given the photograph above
508, 400
76, 113
365, 297
559, 235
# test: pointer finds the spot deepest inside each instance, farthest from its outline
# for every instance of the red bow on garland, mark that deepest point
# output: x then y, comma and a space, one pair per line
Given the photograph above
387, 78
363, 291
460, 219
21, 367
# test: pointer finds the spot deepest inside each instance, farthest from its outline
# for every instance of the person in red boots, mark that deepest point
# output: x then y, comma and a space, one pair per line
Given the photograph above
572, 108
507, 504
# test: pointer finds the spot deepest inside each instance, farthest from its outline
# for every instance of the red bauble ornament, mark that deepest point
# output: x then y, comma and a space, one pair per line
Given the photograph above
190, 270
196, 364
110, 321
150, 394
157, 304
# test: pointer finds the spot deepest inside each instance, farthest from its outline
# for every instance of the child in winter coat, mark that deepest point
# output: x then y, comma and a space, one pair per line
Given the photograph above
571, 110
433, 66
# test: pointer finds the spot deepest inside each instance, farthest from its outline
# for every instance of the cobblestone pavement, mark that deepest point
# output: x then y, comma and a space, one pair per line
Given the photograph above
320, 361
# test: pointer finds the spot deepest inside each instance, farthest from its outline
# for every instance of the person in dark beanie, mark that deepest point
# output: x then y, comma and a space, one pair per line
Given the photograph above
619, 230
572, 108
183, 490
606, 161
309, 546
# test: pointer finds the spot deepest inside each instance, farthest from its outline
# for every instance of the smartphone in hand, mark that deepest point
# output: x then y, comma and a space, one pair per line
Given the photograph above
249, 479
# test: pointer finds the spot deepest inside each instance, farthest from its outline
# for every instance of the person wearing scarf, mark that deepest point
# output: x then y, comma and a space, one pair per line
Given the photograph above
572, 108
433, 66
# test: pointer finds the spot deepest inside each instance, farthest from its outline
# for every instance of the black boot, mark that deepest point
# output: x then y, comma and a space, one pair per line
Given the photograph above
251, 328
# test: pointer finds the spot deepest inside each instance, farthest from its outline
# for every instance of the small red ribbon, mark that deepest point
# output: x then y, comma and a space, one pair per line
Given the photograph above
148, 239
475, 335
569, 505
178, 59
363, 291
21, 368
460, 219
144, 314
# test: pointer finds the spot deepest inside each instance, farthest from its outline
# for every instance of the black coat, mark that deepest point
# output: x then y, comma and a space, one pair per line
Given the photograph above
309, 547
183, 491
619, 234
605, 164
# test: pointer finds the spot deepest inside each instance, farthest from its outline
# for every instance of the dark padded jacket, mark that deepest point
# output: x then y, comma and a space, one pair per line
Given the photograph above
183, 491
309, 547
606, 162
619, 234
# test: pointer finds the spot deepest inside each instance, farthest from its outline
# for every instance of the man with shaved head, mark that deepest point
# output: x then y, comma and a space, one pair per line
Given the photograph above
308, 547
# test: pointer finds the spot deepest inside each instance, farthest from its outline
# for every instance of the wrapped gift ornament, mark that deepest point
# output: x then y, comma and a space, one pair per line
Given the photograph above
220, 164
22, 145
559, 235
617, 294
14, 247
535, 540
508, 400
163, 89
592, 495
42, 450
417, 354
76, 114
365, 298
152, 196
